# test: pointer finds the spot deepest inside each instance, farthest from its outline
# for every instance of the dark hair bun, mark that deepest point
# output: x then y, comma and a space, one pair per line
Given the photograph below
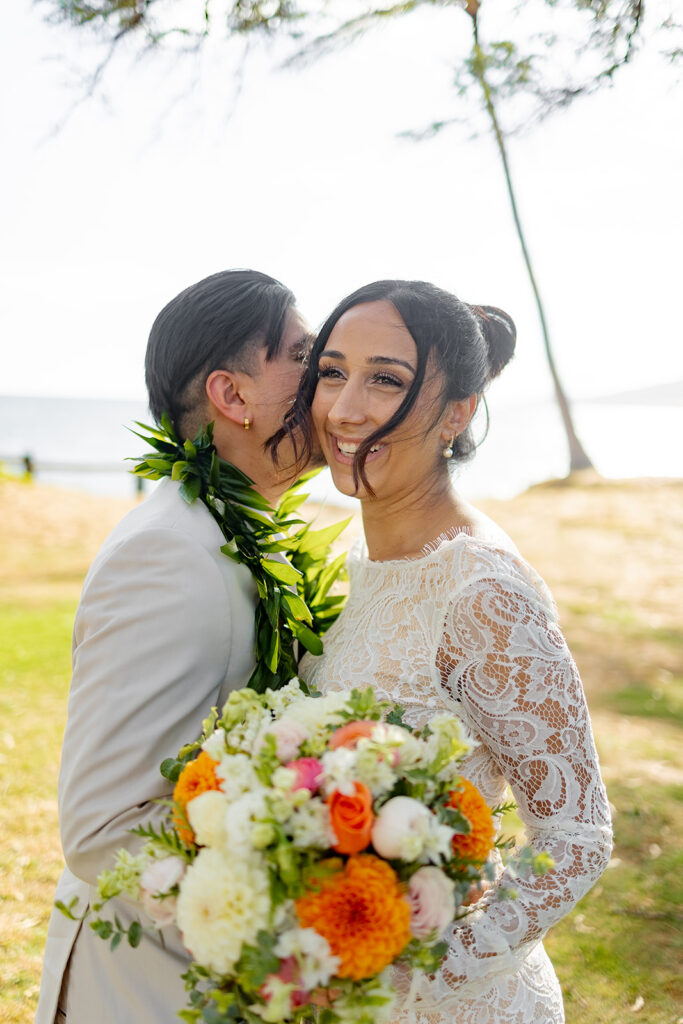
500, 335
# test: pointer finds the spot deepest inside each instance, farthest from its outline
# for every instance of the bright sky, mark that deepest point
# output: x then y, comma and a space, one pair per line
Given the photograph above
164, 178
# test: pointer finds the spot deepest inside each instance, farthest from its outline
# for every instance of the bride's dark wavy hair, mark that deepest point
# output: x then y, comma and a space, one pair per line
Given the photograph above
470, 346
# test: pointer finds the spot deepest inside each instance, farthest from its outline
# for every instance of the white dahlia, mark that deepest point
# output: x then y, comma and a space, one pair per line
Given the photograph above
223, 903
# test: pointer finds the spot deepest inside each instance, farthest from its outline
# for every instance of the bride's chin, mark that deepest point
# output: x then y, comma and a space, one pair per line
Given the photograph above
345, 484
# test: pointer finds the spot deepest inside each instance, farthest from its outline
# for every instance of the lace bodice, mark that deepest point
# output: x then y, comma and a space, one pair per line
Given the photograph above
471, 628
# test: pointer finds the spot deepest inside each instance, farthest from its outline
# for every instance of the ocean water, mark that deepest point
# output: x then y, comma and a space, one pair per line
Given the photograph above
83, 444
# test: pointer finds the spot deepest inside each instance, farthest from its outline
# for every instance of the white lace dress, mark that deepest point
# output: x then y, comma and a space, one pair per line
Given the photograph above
470, 628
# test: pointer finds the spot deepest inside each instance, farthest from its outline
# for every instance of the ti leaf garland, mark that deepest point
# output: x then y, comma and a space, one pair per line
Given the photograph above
290, 566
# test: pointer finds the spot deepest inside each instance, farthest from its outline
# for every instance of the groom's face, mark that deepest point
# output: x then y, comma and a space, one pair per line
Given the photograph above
275, 382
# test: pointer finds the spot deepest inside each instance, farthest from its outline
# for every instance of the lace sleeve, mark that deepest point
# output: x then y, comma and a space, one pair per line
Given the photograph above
505, 663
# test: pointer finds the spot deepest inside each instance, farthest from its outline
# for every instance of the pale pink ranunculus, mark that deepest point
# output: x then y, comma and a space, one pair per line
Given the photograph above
432, 902
401, 828
308, 772
157, 879
289, 735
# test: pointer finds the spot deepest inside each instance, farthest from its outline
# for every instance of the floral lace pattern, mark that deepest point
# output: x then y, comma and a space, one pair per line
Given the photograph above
472, 629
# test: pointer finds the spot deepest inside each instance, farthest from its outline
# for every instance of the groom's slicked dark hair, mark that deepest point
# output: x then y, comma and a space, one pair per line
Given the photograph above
220, 322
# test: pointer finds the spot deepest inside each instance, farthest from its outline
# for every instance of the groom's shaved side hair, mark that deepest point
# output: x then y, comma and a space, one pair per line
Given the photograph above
218, 323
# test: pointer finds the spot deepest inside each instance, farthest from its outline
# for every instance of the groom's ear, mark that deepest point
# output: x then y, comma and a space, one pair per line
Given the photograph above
224, 391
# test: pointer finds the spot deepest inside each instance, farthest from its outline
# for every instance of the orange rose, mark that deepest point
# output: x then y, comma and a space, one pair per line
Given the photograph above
352, 819
349, 734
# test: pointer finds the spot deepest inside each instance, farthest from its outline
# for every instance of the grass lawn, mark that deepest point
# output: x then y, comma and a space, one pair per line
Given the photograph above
618, 954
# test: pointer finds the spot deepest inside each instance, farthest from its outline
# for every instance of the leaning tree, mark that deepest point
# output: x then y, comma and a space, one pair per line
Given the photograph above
523, 61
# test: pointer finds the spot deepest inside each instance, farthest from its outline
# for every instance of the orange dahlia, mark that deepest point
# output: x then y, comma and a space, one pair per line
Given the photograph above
363, 914
197, 777
477, 844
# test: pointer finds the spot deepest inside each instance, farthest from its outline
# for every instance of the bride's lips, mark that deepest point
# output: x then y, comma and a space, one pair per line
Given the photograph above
346, 458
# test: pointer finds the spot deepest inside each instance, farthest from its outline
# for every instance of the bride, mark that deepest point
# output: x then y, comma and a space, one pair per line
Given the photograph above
444, 614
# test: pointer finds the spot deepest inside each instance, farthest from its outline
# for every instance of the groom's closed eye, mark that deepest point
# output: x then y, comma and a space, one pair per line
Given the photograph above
301, 348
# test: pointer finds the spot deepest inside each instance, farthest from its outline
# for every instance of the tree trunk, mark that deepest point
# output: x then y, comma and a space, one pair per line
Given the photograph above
578, 458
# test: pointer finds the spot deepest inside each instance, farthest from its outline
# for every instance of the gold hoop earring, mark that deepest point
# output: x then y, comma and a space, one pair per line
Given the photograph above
448, 450
247, 424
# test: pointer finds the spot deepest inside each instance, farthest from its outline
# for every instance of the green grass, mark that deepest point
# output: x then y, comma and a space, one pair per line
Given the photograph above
624, 939
34, 678
650, 701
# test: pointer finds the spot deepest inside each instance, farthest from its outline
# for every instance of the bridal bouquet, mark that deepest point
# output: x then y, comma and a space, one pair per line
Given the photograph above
312, 843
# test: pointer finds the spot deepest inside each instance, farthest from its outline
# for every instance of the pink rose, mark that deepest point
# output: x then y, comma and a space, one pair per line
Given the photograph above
432, 902
156, 880
308, 771
289, 735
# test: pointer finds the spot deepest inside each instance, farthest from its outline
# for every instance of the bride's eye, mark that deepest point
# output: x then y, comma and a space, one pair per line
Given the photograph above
330, 372
388, 378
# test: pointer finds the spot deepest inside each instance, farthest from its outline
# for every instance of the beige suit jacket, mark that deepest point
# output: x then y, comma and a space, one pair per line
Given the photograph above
164, 632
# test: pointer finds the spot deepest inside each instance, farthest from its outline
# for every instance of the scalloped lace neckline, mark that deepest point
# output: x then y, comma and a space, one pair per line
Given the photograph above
359, 550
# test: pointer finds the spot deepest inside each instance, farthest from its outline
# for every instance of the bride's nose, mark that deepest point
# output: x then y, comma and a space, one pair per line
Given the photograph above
348, 406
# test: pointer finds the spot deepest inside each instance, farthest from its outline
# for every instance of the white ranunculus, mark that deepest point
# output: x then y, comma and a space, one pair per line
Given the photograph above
313, 955
156, 880
206, 814
432, 902
223, 903
402, 829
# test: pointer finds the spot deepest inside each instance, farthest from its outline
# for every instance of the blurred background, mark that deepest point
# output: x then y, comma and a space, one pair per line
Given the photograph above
149, 144
123, 184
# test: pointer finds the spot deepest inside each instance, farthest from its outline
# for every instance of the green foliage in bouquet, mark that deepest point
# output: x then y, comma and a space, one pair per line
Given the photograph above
287, 558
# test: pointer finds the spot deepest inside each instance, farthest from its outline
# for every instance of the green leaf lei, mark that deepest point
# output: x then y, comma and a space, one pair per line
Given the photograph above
292, 572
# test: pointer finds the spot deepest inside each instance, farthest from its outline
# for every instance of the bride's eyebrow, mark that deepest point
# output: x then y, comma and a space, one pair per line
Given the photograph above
373, 360
390, 361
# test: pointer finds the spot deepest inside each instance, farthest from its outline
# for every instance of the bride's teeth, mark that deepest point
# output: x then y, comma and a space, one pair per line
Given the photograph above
347, 449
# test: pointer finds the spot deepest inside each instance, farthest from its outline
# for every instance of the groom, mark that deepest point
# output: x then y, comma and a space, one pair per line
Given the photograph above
164, 632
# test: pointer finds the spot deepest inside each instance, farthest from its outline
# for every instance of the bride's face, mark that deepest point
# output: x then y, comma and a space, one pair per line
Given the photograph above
365, 371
